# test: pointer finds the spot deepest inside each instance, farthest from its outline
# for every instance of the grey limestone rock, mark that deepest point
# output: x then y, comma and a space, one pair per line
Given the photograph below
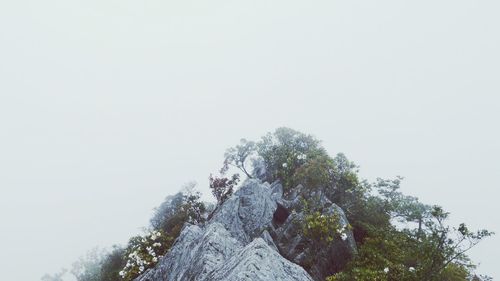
255, 235
229, 247
249, 211
258, 262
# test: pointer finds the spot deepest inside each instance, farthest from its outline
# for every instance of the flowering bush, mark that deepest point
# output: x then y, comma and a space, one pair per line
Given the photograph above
324, 228
143, 252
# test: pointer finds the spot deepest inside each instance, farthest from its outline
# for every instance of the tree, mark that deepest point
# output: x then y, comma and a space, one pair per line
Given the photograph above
112, 264
446, 246
176, 210
284, 151
192, 206
237, 156
222, 187
405, 209
431, 250
88, 267
164, 215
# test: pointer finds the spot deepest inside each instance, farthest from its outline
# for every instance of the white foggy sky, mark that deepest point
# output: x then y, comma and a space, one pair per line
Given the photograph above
108, 106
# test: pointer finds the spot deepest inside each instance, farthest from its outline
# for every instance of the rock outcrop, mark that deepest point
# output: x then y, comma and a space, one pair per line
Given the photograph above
293, 245
254, 235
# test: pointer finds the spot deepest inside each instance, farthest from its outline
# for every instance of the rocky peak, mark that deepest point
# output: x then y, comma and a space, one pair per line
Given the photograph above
255, 235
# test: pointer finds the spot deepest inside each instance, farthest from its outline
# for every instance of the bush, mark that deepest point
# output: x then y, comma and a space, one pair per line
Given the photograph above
144, 252
222, 188
112, 264
286, 150
176, 210
322, 229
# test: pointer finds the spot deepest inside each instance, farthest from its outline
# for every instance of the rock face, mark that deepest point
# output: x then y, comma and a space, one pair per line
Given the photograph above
288, 236
254, 235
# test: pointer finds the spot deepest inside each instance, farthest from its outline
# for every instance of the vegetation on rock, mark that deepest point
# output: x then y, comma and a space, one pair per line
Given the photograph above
397, 236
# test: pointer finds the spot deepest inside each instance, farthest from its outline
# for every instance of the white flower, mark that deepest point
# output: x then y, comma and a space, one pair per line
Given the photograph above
122, 273
141, 268
284, 165
386, 269
157, 244
343, 236
155, 259
411, 269
302, 157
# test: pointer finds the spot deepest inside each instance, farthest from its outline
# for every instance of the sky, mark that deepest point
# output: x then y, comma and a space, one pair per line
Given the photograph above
108, 106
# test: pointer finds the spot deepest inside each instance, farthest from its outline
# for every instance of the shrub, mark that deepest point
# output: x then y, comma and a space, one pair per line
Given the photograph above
315, 172
222, 188
176, 210
144, 252
88, 267
112, 264
322, 229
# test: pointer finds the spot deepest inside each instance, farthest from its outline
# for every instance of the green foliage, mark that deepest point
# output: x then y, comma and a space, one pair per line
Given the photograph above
429, 251
112, 264
176, 210
402, 207
323, 228
386, 254
315, 172
286, 150
422, 247
346, 188
143, 252
398, 238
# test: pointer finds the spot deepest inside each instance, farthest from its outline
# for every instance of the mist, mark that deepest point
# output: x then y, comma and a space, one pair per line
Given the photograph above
106, 107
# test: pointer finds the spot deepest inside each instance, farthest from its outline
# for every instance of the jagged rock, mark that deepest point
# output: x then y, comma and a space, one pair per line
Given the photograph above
255, 235
258, 262
249, 211
196, 253
229, 247
259, 168
269, 240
